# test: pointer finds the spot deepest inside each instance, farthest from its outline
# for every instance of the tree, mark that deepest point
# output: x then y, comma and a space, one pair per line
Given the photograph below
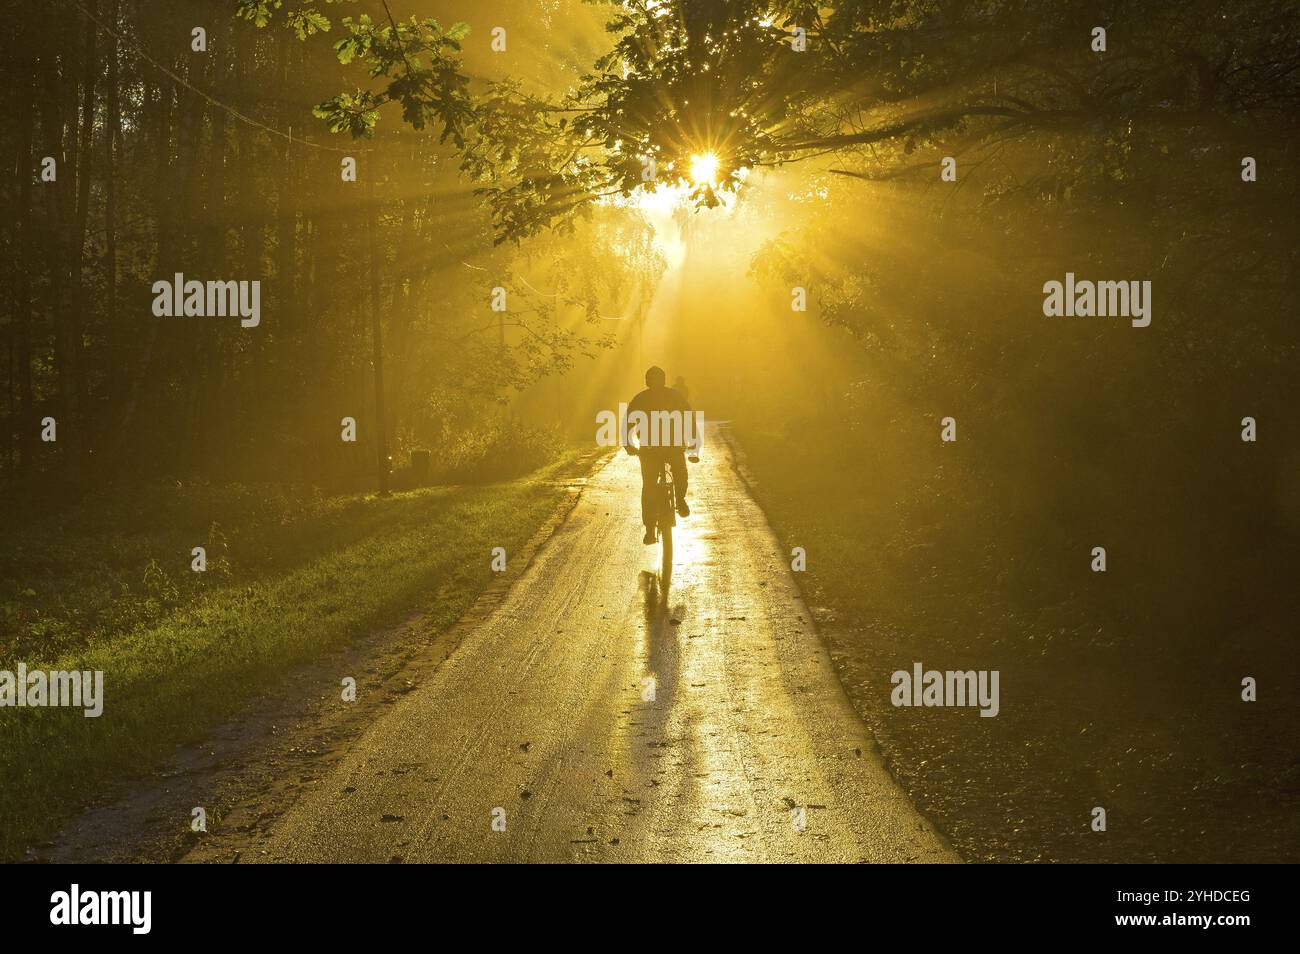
870, 82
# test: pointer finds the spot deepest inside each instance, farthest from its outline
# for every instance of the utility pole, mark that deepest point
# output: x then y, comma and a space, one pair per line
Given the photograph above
376, 332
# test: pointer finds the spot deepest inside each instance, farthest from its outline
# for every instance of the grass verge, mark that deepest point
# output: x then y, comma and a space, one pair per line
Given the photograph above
290, 574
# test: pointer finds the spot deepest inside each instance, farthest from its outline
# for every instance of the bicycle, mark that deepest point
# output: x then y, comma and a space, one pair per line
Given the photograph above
663, 512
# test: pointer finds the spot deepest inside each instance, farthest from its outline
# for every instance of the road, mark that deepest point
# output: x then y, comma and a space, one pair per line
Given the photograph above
596, 715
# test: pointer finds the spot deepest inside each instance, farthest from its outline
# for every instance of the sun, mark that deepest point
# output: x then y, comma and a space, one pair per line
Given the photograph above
704, 169
702, 174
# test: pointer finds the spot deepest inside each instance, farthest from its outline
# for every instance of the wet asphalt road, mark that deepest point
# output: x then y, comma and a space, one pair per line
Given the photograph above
598, 715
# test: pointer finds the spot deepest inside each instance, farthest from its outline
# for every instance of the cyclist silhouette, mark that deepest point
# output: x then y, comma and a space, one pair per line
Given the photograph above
679, 385
658, 397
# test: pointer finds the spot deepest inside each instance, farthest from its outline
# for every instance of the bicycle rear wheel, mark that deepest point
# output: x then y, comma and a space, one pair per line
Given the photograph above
667, 518
666, 539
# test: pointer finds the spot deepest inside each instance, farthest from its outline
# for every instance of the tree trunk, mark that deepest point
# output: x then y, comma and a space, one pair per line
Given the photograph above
112, 137
376, 332
25, 420
76, 296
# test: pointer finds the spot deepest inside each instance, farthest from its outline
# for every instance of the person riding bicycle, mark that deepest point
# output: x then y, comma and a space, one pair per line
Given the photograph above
661, 448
